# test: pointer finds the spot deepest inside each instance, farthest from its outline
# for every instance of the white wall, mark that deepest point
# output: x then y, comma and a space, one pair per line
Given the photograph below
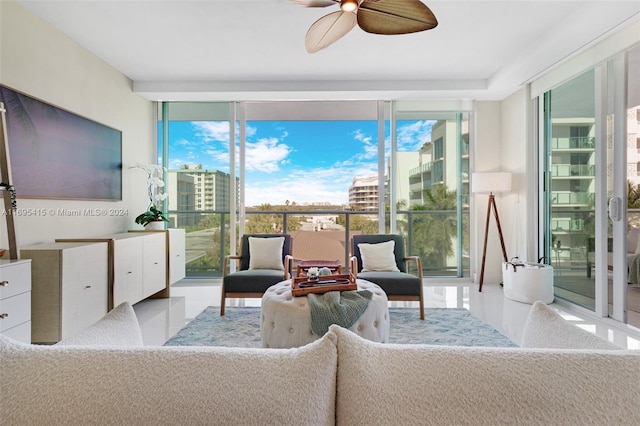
502, 144
516, 157
42, 62
487, 158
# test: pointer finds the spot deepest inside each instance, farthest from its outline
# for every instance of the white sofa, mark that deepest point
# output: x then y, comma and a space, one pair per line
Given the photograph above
338, 379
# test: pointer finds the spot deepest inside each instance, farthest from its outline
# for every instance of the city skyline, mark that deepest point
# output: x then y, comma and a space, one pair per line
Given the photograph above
309, 162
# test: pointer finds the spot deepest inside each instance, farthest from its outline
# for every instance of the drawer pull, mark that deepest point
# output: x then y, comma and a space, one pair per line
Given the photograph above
87, 286
3, 316
4, 283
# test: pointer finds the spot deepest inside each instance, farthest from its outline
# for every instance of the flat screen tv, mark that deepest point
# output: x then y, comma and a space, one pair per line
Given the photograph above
56, 154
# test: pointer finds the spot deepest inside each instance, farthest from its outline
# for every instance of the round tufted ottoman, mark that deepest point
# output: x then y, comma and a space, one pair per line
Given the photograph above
285, 320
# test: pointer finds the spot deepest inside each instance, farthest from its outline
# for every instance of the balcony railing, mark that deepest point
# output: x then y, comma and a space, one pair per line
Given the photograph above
573, 170
580, 142
573, 198
325, 234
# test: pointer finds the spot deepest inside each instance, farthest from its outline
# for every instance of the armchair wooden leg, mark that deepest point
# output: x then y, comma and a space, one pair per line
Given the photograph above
421, 308
222, 301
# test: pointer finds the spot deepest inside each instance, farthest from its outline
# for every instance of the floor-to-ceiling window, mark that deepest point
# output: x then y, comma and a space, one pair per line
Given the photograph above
569, 112
432, 188
194, 140
590, 163
320, 171
311, 170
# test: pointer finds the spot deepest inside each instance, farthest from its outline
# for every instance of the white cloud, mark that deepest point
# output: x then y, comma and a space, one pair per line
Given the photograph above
312, 185
218, 131
369, 146
412, 136
266, 155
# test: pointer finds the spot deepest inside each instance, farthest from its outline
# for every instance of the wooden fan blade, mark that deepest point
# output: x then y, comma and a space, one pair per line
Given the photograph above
395, 17
329, 29
315, 3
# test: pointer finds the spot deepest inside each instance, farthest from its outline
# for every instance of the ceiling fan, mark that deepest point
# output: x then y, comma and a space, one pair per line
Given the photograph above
373, 16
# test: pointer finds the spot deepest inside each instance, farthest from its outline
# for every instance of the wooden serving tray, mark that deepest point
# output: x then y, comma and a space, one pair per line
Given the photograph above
301, 286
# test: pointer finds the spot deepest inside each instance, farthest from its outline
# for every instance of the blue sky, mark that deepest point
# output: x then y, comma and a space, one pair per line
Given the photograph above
301, 161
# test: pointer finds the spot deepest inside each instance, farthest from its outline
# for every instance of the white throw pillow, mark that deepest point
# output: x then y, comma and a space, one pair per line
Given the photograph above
545, 328
118, 328
378, 257
266, 253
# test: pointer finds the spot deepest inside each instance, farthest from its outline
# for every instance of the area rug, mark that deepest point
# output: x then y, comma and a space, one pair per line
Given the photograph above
240, 327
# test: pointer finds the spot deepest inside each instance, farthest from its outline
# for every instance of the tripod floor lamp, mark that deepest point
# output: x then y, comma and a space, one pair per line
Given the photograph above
491, 183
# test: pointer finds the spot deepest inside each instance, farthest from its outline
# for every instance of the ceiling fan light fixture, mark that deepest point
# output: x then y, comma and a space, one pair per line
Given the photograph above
348, 5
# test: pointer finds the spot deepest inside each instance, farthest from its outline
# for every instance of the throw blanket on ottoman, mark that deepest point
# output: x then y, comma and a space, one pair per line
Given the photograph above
335, 307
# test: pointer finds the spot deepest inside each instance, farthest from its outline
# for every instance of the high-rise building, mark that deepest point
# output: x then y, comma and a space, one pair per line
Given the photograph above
442, 161
363, 193
181, 198
633, 144
212, 188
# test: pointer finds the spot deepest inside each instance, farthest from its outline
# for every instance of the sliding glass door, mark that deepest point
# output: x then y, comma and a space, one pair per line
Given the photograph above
570, 143
590, 165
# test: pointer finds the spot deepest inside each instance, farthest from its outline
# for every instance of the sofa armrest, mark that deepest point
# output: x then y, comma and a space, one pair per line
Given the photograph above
353, 266
288, 264
415, 259
227, 259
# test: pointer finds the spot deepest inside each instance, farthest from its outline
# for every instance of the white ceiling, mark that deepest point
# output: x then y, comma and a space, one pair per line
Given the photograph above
254, 49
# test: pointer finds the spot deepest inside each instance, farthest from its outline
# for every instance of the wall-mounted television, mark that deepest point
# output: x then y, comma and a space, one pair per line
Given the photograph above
57, 154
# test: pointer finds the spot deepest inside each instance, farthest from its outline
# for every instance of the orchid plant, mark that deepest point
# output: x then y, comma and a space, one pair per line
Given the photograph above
155, 186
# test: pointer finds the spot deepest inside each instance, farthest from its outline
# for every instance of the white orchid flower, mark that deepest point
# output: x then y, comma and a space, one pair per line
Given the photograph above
154, 181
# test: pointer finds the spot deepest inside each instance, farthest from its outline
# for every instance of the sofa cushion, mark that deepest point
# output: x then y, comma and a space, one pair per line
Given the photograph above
266, 253
76, 385
378, 257
545, 328
252, 280
394, 283
439, 385
118, 328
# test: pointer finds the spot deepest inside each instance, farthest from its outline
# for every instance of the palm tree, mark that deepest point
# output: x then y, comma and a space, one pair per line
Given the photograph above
633, 195
434, 233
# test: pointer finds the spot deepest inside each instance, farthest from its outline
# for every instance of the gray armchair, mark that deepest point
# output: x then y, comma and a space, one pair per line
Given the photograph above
254, 277
398, 284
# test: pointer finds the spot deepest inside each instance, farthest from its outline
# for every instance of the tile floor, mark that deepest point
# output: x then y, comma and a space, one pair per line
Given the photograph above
162, 318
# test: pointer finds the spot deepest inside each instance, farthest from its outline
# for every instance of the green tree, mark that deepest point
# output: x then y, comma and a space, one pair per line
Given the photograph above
210, 221
434, 233
358, 222
633, 195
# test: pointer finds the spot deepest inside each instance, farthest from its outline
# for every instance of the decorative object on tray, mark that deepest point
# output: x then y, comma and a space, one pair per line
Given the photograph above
312, 274
153, 218
341, 282
333, 267
324, 271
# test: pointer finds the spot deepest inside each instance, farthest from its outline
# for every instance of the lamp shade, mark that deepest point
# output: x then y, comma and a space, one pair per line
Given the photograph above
491, 182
